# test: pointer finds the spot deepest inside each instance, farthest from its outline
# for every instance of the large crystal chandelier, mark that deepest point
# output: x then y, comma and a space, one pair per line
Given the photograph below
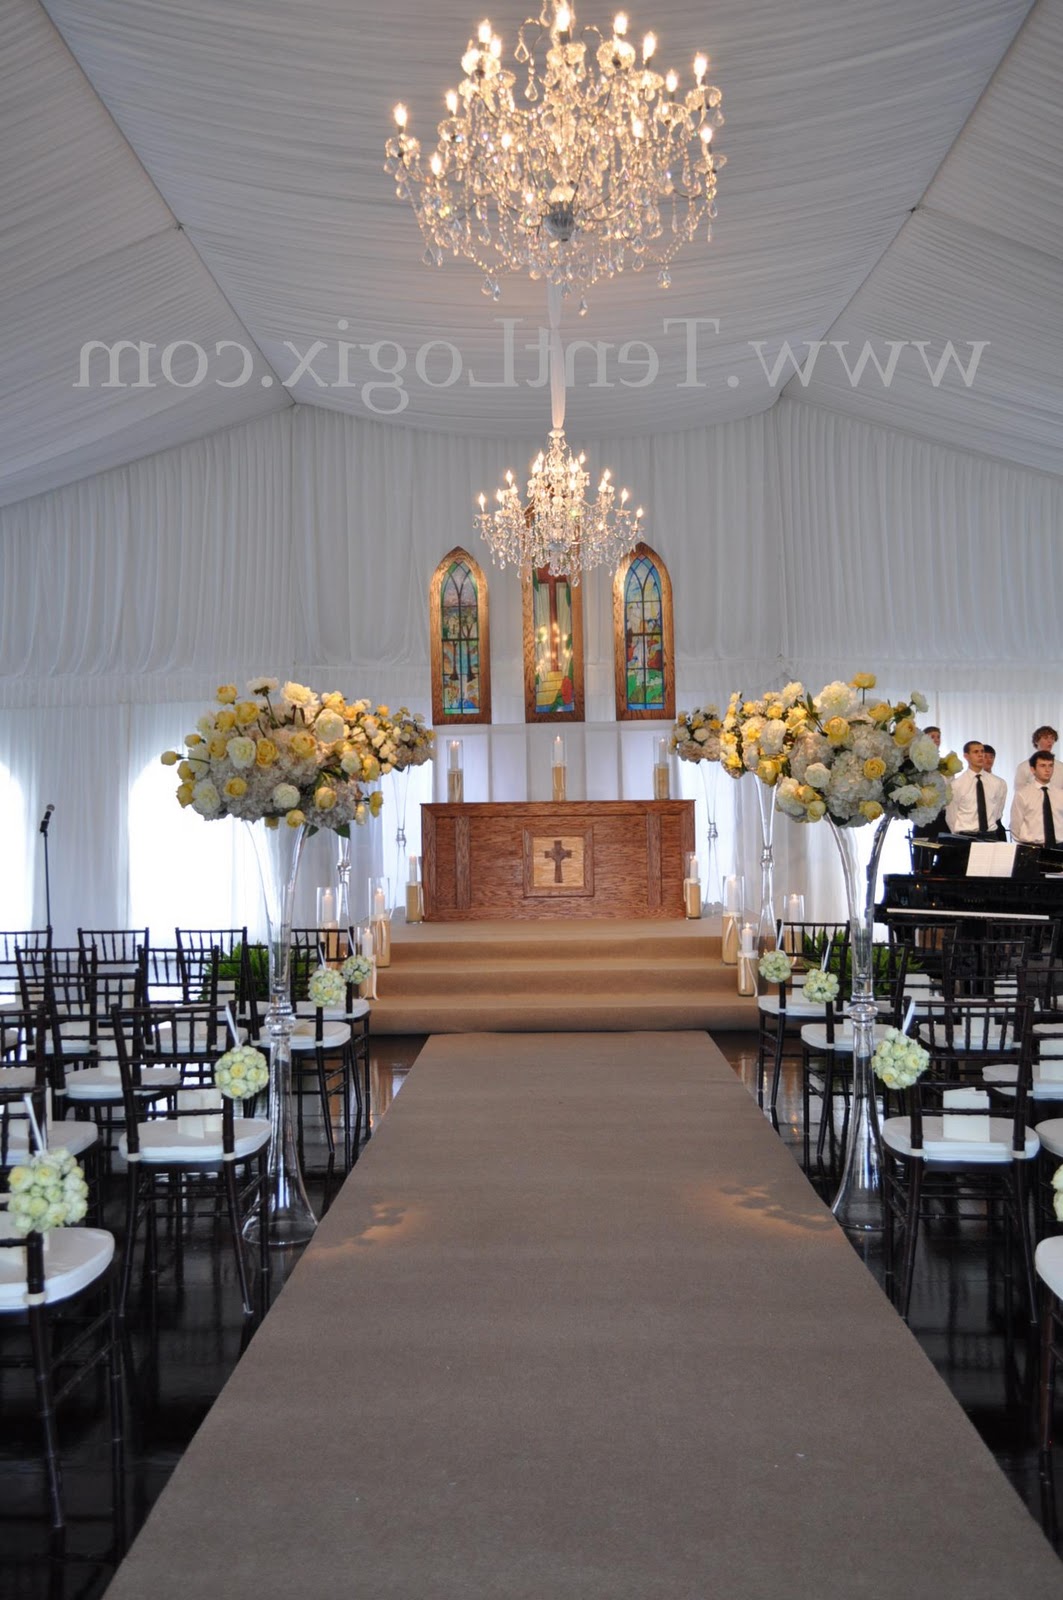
606, 164
554, 525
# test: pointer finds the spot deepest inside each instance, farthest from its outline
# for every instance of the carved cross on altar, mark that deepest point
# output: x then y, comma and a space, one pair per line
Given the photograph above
557, 855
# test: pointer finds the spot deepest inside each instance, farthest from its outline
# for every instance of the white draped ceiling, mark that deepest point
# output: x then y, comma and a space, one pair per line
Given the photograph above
184, 173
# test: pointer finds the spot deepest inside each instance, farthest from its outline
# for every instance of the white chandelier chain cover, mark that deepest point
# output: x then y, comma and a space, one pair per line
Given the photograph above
555, 526
606, 164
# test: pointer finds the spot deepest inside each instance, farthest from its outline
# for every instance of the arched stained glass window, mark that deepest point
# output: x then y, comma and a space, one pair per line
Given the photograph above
642, 637
460, 644
553, 648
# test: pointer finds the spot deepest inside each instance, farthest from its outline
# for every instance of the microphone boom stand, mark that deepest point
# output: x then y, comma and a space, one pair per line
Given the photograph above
45, 820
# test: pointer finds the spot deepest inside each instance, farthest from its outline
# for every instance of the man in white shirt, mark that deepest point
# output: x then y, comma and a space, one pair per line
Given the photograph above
978, 797
1043, 739
1037, 809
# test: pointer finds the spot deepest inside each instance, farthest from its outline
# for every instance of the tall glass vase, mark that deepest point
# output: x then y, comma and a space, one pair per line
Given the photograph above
858, 1203
710, 772
766, 924
291, 1217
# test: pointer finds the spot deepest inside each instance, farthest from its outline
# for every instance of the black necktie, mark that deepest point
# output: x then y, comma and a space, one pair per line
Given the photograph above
1050, 826
983, 814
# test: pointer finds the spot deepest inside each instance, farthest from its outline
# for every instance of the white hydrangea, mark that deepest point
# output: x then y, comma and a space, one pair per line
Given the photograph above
775, 966
326, 988
836, 700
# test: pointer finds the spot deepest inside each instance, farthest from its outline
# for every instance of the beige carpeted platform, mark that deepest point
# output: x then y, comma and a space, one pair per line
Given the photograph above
577, 1329
558, 976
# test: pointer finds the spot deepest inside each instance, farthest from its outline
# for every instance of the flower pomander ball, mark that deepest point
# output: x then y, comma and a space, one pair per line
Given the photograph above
1057, 1192
241, 1073
48, 1191
356, 969
327, 988
899, 1061
821, 987
775, 966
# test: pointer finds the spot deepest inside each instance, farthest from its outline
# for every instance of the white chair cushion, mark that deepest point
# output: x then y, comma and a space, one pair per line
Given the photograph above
1051, 1135
77, 1137
73, 1258
897, 1136
1048, 1260
17, 1077
334, 1035
814, 1034
1002, 1079
164, 1141
359, 1008
105, 1083
796, 1010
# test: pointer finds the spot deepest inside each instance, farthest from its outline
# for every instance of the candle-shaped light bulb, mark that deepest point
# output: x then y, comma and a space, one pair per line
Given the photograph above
483, 503
671, 82
483, 32
701, 66
625, 496
436, 164
496, 48
400, 116
452, 101
649, 45
506, 141
564, 19
637, 127
705, 133
620, 24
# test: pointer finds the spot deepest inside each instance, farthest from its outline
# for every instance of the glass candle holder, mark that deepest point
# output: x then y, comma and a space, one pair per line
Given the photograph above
692, 888
414, 892
662, 787
380, 920
558, 769
455, 773
729, 940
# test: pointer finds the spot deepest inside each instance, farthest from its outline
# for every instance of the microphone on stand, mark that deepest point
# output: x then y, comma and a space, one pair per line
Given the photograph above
45, 820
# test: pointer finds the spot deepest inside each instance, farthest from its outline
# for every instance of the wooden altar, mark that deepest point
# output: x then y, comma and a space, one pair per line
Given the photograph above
605, 858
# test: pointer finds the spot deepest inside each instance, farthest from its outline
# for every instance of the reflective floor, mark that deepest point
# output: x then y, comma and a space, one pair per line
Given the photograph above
178, 1360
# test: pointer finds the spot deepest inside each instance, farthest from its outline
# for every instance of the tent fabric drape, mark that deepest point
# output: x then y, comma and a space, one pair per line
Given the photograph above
801, 544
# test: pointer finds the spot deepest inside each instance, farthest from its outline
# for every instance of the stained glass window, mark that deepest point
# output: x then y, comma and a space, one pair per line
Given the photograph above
642, 620
643, 637
458, 619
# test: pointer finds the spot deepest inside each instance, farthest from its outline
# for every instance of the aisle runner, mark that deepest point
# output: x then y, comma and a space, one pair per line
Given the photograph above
576, 1329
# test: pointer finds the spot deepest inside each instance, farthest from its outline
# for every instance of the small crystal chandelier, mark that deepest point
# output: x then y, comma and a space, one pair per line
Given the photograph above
607, 166
555, 526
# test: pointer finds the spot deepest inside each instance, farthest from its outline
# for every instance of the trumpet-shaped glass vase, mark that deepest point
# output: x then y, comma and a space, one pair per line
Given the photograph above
858, 1203
291, 1217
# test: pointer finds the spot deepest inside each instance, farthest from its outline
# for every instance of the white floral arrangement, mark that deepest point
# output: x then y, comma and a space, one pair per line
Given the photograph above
241, 1073
821, 987
834, 755
356, 969
327, 988
285, 754
47, 1191
1057, 1195
775, 966
696, 735
898, 1060
414, 742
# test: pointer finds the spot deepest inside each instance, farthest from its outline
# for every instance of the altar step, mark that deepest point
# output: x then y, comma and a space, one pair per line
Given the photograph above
519, 977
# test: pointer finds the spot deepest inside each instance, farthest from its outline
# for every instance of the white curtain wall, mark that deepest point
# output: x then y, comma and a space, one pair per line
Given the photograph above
800, 544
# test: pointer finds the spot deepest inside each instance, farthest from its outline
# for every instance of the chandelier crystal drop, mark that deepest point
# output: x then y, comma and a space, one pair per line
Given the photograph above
554, 525
596, 164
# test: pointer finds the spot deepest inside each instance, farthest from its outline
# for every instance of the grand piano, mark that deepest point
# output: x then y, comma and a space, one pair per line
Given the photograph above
941, 890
